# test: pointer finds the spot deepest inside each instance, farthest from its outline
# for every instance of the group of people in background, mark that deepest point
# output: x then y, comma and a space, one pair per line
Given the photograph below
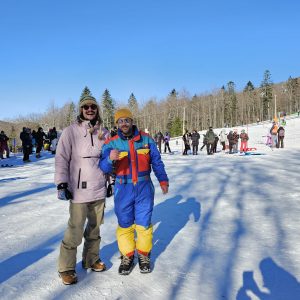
37, 140
32, 141
160, 139
276, 135
233, 140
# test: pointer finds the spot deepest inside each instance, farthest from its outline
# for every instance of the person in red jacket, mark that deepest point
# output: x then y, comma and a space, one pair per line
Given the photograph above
244, 141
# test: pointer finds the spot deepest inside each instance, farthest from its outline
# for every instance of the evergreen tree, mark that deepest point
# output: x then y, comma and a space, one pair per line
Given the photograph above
249, 87
86, 92
291, 88
176, 127
133, 105
226, 105
232, 102
252, 109
173, 94
172, 106
266, 93
71, 113
108, 108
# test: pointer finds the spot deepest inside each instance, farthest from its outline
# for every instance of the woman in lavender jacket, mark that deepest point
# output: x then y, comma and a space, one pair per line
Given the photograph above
79, 180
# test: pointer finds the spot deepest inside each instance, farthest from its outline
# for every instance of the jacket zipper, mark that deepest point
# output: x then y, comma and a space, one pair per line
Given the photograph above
92, 140
78, 184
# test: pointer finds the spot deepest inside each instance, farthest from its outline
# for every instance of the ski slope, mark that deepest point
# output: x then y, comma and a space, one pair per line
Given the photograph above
228, 229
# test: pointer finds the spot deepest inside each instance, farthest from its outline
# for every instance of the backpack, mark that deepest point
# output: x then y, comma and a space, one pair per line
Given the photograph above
281, 132
274, 129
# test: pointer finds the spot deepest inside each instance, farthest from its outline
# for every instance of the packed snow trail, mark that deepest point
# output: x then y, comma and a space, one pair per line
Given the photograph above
228, 229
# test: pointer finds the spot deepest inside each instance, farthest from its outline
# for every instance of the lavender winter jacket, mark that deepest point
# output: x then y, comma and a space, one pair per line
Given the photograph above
76, 162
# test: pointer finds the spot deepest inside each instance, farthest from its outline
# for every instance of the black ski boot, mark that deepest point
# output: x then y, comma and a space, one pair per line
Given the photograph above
127, 263
144, 263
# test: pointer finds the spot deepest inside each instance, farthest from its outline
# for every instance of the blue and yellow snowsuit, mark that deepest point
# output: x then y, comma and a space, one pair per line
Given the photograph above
134, 191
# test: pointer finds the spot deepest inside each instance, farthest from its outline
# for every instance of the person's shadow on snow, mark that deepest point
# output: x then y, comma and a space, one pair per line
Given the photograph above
280, 283
172, 215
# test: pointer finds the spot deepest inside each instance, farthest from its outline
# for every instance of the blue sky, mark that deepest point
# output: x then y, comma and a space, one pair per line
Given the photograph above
51, 49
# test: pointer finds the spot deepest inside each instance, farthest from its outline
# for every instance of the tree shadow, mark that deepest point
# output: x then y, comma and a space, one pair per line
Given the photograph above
172, 215
21, 261
6, 200
280, 283
11, 179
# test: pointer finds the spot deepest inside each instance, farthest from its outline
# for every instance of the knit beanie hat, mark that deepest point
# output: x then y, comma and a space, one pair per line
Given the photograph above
123, 113
88, 99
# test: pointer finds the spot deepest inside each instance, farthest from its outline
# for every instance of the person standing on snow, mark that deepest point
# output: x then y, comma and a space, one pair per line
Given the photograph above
210, 137
244, 141
158, 140
132, 153
167, 141
273, 132
39, 137
3, 144
281, 133
186, 141
26, 144
195, 141
236, 137
223, 139
79, 180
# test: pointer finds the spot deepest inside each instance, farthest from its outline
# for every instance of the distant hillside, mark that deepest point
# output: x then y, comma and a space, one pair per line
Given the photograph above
13, 130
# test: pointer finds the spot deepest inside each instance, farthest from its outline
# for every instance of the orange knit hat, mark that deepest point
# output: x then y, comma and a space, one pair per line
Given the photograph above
123, 113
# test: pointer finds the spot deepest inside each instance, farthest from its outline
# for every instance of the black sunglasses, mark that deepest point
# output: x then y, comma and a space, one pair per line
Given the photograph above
92, 106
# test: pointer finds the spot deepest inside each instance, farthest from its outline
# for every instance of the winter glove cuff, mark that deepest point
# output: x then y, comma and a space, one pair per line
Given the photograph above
62, 186
63, 193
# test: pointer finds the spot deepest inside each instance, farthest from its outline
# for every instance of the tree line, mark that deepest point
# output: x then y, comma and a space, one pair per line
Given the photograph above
224, 107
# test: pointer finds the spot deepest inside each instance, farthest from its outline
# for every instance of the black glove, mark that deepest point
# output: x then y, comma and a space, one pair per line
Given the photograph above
63, 193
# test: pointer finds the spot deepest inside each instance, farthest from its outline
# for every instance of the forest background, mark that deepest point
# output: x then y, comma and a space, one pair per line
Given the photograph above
224, 107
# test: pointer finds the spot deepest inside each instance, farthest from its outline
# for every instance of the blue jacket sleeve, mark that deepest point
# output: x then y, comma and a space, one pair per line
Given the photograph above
157, 164
105, 164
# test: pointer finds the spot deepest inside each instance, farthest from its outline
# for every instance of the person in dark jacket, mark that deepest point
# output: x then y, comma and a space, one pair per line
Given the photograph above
281, 133
232, 140
210, 137
3, 145
39, 139
53, 134
214, 148
26, 143
186, 140
195, 141
158, 138
166, 141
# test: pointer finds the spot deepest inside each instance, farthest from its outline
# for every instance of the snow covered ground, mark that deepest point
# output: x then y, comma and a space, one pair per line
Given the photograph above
228, 229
